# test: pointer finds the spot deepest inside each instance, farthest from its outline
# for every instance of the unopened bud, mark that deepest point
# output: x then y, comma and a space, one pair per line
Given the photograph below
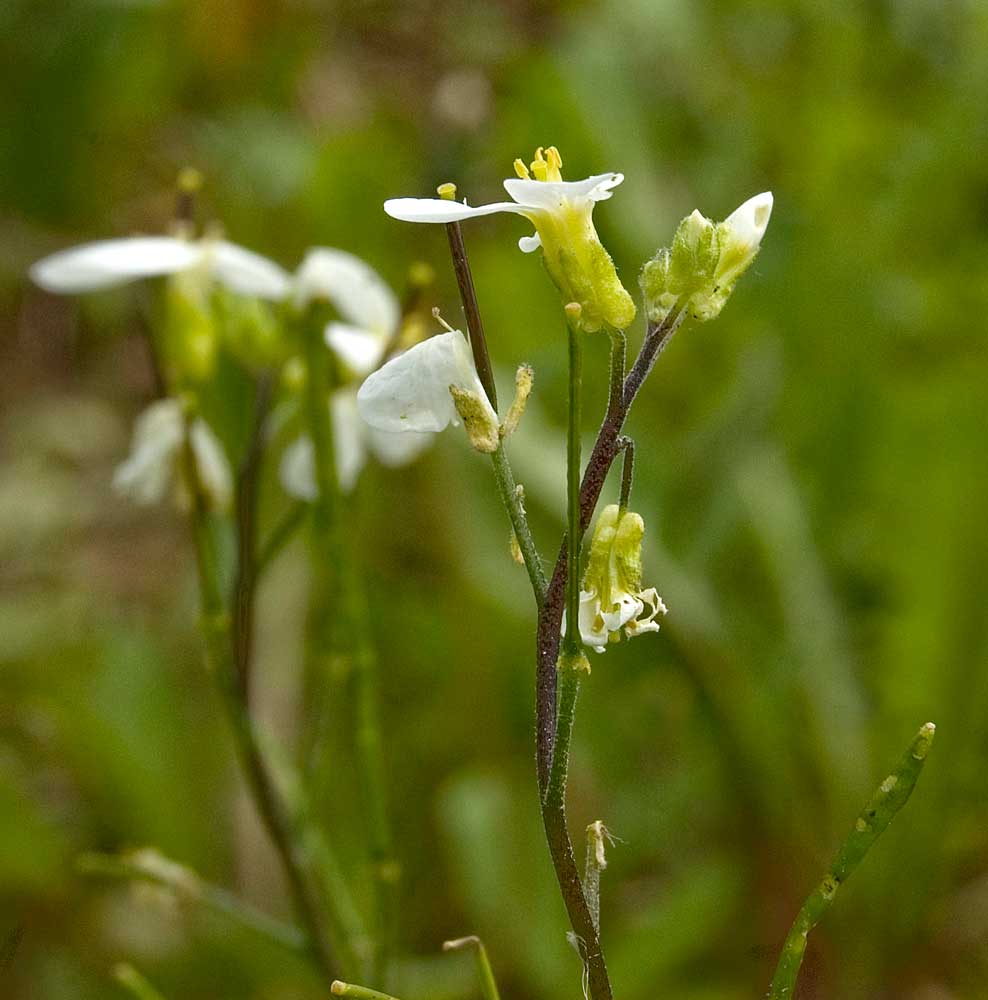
478, 419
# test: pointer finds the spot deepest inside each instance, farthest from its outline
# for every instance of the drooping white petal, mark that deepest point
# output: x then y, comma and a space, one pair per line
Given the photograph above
246, 272
411, 392
749, 221
397, 449
549, 196
650, 599
215, 476
354, 288
626, 609
593, 631
359, 349
95, 266
147, 472
297, 470
348, 439
441, 210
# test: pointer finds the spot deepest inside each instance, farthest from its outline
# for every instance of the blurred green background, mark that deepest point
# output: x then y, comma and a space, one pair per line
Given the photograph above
812, 469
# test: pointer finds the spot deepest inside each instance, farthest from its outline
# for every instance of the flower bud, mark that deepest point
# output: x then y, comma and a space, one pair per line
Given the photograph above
190, 338
701, 268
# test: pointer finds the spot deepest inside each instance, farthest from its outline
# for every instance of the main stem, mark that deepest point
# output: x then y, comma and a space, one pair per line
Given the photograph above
574, 532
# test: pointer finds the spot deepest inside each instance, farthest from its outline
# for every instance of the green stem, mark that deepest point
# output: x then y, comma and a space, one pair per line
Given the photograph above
574, 533
357, 992
186, 884
371, 762
627, 445
891, 796
221, 657
488, 984
569, 690
510, 497
281, 534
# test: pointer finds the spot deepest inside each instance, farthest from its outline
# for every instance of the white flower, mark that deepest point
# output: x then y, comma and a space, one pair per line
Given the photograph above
370, 315
153, 466
561, 212
427, 388
612, 599
352, 441
108, 263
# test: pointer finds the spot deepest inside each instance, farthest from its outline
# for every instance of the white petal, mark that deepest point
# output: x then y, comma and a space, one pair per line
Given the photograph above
245, 272
551, 195
397, 449
360, 350
146, 474
528, 244
215, 476
297, 470
628, 608
592, 631
441, 210
354, 288
749, 221
348, 431
93, 266
411, 392
650, 599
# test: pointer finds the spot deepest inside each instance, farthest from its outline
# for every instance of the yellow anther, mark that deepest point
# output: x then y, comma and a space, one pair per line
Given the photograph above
539, 166
447, 191
438, 316
555, 162
521, 170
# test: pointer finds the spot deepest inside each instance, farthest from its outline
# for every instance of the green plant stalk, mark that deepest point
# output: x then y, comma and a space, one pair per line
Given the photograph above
357, 992
572, 644
281, 534
371, 762
488, 984
349, 637
891, 796
187, 885
508, 492
220, 654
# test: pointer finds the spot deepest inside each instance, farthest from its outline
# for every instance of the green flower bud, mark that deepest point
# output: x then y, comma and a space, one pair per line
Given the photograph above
701, 268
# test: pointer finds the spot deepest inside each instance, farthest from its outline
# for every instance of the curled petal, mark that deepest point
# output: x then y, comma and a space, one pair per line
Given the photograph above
441, 210
551, 195
411, 392
529, 244
246, 272
94, 266
656, 605
355, 289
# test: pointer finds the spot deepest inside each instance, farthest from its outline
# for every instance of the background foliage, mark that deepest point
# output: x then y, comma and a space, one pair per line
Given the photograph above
812, 470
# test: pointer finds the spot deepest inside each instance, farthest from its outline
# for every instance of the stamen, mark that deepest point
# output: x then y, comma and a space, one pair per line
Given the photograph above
539, 166
437, 316
555, 162
447, 191
521, 170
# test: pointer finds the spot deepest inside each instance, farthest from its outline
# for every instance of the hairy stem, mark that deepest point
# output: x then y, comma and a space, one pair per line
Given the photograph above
891, 796
574, 531
510, 497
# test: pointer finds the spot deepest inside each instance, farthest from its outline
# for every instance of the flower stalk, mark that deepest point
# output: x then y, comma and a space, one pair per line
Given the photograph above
891, 796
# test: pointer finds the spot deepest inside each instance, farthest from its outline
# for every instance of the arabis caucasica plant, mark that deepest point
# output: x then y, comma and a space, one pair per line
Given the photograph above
562, 213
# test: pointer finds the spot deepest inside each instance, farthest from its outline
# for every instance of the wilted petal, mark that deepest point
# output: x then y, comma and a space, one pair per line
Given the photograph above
411, 392
148, 471
107, 263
